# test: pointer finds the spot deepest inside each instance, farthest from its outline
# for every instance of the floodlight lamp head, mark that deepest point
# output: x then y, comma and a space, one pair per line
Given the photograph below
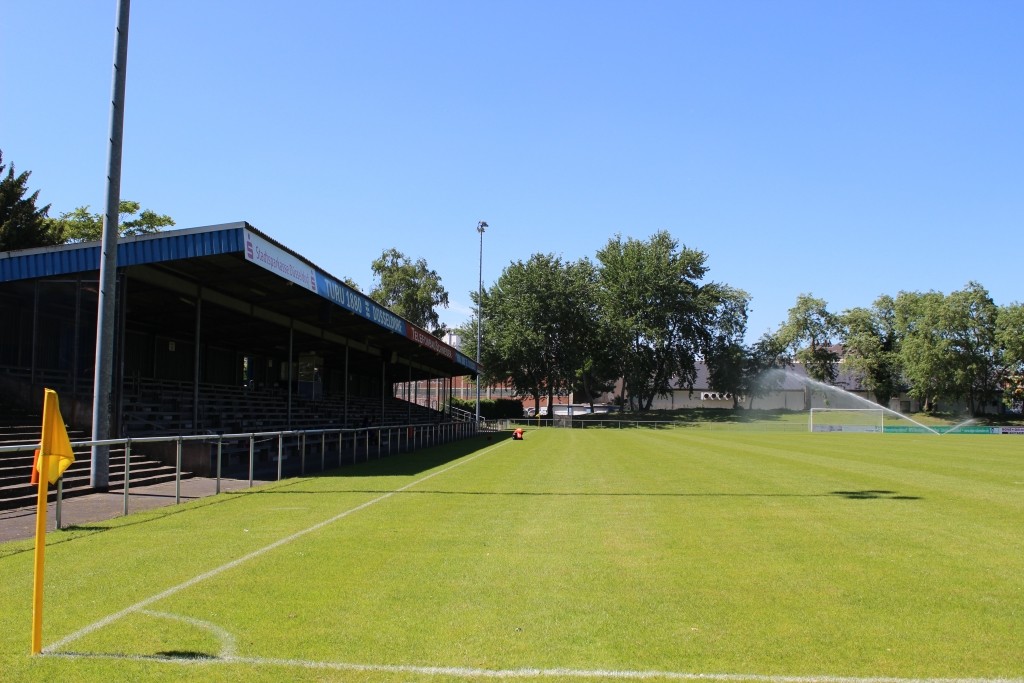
481, 225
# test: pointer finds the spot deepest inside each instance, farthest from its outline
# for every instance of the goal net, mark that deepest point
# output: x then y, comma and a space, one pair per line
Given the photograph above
846, 420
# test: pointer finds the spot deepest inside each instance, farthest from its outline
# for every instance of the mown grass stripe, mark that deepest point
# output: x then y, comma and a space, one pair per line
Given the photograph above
142, 604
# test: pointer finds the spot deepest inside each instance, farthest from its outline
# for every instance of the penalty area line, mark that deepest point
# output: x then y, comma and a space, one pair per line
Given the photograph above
142, 604
467, 672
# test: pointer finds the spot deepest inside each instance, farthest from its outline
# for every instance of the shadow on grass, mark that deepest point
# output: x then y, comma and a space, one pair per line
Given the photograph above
414, 462
75, 532
872, 494
854, 495
401, 464
185, 654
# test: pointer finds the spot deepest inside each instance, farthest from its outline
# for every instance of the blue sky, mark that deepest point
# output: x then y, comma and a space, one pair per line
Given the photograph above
842, 149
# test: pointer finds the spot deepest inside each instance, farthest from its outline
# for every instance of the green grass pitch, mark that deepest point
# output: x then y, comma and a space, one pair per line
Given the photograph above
668, 554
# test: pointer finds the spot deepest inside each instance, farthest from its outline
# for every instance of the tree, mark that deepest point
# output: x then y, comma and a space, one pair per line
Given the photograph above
1010, 337
540, 328
871, 346
949, 346
923, 351
809, 332
410, 289
975, 358
585, 360
658, 313
726, 356
23, 225
82, 226
766, 354
515, 348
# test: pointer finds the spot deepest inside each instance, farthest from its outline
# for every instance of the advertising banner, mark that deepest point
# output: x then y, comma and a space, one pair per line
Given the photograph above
424, 338
358, 303
278, 261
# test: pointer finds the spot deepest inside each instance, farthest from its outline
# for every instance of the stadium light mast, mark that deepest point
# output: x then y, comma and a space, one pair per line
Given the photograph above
480, 227
99, 469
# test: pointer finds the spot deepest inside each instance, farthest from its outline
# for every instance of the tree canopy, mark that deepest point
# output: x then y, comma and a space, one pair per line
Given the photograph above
960, 348
539, 324
23, 225
1010, 337
811, 332
644, 314
726, 355
81, 225
871, 345
410, 289
658, 313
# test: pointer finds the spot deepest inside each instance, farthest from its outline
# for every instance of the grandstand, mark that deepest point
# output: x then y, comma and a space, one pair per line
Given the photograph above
220, 329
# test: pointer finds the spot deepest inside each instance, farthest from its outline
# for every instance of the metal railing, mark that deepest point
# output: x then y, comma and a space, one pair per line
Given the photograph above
352, 446
639, 423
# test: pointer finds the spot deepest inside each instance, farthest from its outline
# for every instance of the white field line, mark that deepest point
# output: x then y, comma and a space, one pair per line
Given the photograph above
465, 672
227, 640
142, 604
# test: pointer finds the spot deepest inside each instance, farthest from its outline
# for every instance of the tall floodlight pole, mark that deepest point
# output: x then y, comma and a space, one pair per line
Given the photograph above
99, 473
480, 227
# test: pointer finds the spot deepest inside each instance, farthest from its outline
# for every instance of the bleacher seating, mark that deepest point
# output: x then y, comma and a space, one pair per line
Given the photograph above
20, 427
162, 407
155, 408
167, 408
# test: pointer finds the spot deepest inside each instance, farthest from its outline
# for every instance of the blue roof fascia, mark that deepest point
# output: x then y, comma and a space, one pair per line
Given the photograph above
66, 259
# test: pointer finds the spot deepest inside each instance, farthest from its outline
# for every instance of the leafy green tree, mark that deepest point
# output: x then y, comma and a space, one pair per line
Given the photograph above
410, 289
975, 357
809, 333
515, 345
768, 353
658, 313
81, 225
585, 361
539, 328
949, 346
871, 345
1010, 337
726, 356
924, 350
23, 225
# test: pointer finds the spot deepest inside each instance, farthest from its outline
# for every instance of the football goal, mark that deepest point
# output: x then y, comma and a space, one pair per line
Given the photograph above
846, 420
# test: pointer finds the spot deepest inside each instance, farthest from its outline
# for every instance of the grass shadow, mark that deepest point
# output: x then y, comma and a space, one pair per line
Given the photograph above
414, 462
186, 655
873, 494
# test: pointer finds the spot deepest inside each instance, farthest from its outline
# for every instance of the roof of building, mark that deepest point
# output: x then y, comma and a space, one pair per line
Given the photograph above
248, 273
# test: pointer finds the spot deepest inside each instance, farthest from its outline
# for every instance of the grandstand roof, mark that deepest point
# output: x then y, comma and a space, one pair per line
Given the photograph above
250, 275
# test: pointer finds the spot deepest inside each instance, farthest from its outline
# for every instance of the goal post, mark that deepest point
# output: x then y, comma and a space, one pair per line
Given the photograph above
846, 420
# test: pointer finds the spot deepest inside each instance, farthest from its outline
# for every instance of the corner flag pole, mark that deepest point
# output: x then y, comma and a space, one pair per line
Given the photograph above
37, 565
53, 457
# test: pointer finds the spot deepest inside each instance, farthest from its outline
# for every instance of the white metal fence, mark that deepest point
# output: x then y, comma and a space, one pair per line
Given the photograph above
291, 453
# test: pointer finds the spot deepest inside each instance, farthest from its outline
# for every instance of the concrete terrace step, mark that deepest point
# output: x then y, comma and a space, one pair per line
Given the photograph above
17, 491
79, 471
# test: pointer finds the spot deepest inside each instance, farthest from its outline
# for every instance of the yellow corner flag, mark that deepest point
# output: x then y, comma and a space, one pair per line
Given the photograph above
55, 454
53, 457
